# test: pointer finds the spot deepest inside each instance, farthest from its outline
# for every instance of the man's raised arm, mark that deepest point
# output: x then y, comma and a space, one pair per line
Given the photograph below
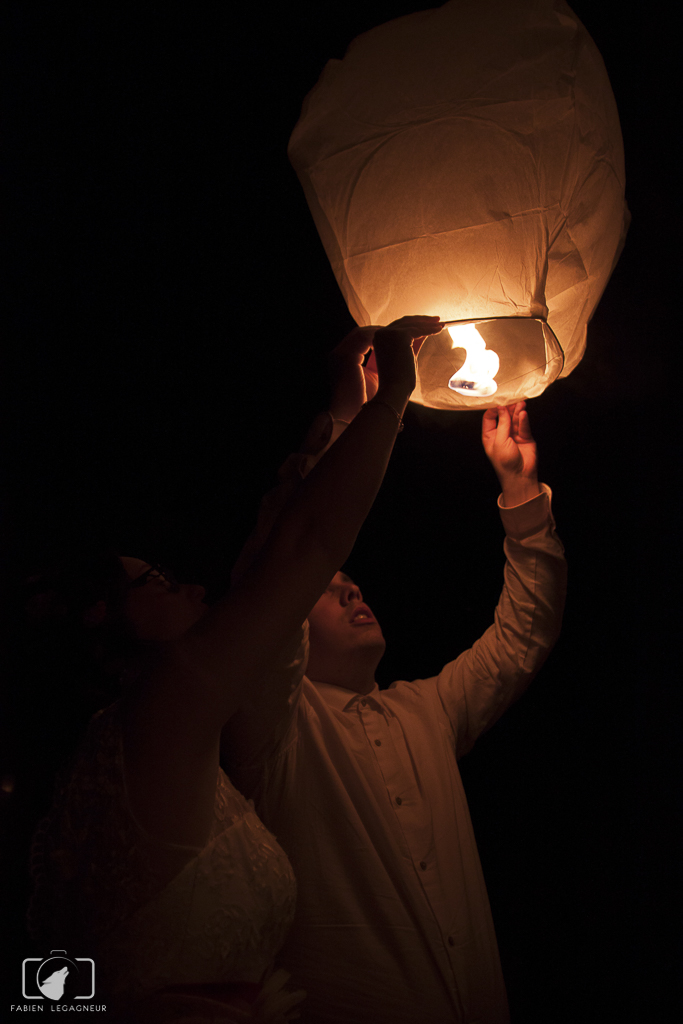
477, 688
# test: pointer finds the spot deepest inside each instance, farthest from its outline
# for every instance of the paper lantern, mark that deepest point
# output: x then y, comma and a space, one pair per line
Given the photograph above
467, 161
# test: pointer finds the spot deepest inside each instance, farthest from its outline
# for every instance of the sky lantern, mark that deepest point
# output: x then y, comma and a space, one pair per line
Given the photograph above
467, 161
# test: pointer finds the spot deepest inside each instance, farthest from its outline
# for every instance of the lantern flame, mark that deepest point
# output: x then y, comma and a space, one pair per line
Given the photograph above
475, 376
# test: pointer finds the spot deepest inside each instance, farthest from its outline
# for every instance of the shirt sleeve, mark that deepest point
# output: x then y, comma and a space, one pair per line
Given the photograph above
477, 687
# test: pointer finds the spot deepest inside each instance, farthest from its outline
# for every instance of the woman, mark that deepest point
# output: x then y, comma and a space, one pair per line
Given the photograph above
150, 862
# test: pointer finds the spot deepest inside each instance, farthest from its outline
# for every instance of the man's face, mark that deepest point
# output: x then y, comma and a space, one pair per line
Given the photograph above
342, 627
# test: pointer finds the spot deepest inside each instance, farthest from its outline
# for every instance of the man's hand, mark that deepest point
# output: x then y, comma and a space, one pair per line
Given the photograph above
511, 449
356, 384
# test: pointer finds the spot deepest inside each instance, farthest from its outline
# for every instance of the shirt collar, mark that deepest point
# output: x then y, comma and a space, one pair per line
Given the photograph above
339, 697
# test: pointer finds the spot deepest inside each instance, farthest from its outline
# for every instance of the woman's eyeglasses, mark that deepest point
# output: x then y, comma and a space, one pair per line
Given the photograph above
155, 572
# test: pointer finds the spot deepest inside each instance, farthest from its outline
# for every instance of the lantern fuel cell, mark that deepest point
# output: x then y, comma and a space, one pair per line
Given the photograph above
467, 162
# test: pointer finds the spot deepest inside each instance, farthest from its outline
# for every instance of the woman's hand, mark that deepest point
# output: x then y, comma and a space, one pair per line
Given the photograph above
275, 1003
353, 384
511, 449
356, 384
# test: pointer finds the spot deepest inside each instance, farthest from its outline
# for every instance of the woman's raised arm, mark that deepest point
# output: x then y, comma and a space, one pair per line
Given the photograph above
174, 719
236, 641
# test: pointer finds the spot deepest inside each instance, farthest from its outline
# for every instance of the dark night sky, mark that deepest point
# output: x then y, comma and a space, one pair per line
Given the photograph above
171, 311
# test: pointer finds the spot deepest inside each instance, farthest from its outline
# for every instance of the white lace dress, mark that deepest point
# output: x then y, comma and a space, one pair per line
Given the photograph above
100, 893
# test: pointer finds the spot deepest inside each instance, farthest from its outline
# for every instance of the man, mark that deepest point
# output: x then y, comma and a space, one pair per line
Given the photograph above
362, 787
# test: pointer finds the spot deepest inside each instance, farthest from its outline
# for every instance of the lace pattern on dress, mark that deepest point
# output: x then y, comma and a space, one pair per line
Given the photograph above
99, 887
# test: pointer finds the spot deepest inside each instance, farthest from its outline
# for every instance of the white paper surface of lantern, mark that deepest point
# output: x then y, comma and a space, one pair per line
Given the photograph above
467, 162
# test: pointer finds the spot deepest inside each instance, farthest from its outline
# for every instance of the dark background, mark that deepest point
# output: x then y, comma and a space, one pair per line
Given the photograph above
170, 314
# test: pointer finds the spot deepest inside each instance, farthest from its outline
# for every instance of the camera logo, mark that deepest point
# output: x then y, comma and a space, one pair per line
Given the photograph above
58, 977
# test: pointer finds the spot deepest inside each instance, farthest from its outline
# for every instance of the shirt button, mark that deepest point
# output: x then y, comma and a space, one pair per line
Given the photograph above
378, 743
363, 702
423, 865
398, 800
451, 940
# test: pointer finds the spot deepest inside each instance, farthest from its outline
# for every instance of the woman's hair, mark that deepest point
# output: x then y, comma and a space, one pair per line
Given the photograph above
77, 604
70, 648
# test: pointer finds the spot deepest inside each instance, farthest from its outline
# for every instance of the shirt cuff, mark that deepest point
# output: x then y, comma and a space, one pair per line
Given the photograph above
521, 521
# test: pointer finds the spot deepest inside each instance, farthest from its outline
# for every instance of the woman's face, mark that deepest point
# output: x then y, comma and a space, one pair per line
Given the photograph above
158, 609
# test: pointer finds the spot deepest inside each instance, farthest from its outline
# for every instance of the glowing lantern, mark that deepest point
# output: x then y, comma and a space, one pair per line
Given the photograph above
467, 161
